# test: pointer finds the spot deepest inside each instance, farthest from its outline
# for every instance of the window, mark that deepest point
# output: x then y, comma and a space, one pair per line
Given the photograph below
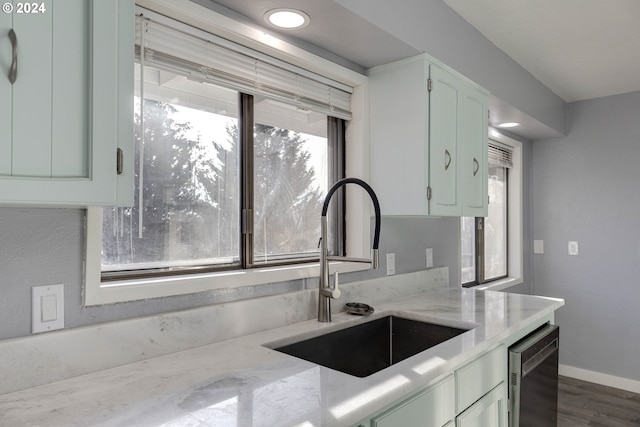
489, 244
235, 152
188, 204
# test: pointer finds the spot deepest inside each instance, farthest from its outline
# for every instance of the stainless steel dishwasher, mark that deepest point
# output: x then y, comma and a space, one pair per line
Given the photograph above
533, 379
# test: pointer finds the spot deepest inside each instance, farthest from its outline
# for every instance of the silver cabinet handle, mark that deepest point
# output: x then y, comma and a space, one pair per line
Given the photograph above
447, 159
476, 166
13, 70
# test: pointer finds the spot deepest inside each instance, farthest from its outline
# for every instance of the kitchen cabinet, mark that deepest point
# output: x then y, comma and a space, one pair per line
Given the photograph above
67, 105
429, 134
476, 393
433, 407
489, 411
479, 376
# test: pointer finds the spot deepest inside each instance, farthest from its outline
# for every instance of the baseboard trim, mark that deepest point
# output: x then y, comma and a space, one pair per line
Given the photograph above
600, 378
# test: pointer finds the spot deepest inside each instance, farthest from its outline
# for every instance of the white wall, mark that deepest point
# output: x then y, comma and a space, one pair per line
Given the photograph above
586, 187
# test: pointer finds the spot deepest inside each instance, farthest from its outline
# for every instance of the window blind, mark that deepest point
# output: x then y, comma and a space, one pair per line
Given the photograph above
204, 57
500, 155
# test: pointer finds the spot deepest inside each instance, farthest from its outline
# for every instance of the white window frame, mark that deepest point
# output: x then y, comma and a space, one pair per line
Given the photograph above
515, 253
358, 208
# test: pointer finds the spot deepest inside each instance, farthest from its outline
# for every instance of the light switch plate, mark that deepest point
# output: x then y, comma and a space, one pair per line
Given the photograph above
47, 308
429, 258
391, 264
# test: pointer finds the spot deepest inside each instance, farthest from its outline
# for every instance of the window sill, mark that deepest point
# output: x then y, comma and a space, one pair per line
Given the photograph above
133, 290
499, 285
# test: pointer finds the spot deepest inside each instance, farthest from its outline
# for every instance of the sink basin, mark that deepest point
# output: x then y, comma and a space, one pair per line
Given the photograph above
367, 348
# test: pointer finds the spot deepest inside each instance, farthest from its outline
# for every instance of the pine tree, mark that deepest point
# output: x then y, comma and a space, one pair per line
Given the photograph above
190, 196
287, 204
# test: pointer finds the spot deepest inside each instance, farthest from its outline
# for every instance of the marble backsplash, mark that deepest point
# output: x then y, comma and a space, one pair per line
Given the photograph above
41, 359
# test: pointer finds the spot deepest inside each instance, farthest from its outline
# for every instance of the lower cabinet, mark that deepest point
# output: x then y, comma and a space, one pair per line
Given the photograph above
489, 411
474, 395
479, 376
433, 407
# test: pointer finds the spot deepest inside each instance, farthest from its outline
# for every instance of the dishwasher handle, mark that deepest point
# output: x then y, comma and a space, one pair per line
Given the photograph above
539, 357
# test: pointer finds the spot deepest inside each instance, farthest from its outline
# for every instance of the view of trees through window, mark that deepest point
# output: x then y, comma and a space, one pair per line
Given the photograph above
187, 209
287, 204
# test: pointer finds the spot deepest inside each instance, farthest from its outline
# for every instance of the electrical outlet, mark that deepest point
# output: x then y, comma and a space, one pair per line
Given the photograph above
538, 246
573, 248
391, 264
429, 258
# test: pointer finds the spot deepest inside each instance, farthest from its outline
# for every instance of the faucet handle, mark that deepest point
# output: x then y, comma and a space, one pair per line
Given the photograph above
332, 292
335, 294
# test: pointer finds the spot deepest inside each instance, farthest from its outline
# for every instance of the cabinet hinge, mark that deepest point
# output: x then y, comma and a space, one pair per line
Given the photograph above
428, 193
119, 161
429, 85
246, 221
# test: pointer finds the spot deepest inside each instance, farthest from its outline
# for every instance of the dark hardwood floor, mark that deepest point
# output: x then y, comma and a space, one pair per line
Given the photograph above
582, 403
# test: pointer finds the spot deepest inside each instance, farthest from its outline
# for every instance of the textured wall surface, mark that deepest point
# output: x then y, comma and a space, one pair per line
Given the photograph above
46, 246
585, 189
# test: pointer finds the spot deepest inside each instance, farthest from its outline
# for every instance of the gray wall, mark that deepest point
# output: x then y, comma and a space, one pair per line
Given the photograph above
585, 188
46, 246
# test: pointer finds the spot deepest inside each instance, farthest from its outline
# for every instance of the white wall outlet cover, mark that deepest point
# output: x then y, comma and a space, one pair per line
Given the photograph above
391, 264
429, 258
573, 248
47, 308
538, 246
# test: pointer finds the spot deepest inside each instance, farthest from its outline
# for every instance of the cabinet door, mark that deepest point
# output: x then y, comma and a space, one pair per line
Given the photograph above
445, 110
64, 103
5, 94
490, 411
433, 407
473, 152
32, 90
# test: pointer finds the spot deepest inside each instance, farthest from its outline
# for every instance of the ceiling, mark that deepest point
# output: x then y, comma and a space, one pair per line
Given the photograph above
334, 32
579, 49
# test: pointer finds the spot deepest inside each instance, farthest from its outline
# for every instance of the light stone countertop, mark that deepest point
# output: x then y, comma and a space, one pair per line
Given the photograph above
241, 383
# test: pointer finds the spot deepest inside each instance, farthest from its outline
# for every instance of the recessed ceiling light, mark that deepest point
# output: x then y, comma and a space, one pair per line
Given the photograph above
508, 124
288, 19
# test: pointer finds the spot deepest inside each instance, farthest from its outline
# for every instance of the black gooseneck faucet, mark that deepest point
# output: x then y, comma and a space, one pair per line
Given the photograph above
326, 292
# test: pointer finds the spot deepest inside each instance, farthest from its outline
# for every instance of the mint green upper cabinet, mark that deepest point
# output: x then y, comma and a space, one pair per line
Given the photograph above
5, 94
399, 126
70, 106
474, 129
428, 136
444, 143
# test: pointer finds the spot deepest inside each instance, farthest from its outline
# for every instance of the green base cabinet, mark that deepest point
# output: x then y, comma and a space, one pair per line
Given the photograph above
434, 407
67, 107
489, 411
429, 135
474, 395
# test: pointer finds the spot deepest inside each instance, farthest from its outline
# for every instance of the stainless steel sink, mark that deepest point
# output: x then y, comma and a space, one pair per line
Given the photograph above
367, 348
